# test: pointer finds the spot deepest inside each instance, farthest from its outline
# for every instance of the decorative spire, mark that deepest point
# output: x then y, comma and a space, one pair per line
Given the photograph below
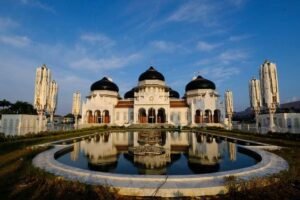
269, 85
76, 103
255, 94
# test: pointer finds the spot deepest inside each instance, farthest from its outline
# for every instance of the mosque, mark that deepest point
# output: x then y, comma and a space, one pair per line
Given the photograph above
154, 102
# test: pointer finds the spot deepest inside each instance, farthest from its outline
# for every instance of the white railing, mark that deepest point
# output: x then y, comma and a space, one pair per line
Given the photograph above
252, 128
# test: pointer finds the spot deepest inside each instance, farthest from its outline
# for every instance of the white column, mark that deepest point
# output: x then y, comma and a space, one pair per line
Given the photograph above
192, 114
229, 107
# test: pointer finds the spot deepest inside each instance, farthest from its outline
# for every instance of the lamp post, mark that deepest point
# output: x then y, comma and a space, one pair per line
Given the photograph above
269, 89
255, 98
42, 82
76, 106
229, 107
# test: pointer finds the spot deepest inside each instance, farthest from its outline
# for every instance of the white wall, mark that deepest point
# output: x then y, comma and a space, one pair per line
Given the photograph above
18, 124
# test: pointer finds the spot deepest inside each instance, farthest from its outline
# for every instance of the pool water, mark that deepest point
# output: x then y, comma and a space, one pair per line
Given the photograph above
157, 152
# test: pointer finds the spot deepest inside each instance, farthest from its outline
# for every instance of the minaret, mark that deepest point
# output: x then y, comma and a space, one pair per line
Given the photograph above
52, 99
255, 98
42, 82
76, 105
229, 107
269, 89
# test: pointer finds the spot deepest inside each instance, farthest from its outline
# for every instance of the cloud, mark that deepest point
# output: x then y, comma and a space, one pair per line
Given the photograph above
195, 11
220, 74
292, 99
205, 46
17, 77
104, 63
7, 23
164, 46
232, 55
237, 3
98, 38
16, 41
225, 58
238, 38
38, 4
68, 83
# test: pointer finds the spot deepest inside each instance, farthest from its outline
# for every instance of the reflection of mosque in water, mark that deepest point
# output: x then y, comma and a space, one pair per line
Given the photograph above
151, 152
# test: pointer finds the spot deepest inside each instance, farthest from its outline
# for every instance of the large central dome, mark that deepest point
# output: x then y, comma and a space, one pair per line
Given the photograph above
105, 84
151, 74
200, 83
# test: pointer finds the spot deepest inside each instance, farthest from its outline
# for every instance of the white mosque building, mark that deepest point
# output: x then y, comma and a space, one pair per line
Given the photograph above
154, 102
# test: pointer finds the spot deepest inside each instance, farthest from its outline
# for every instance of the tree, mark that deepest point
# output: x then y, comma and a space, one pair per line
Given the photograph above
21, 107
4, 103
69, 115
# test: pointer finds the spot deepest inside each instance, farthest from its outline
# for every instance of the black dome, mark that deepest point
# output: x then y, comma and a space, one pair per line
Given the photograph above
173, 94
129, 94
200, 83
151, 74
104, 84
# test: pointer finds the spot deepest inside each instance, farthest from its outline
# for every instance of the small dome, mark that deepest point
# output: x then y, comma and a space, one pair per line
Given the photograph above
200, 83
129, 94
151, 74
173, 94
104, 84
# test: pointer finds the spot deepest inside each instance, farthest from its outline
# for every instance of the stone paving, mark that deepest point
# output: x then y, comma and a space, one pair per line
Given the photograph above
161, 185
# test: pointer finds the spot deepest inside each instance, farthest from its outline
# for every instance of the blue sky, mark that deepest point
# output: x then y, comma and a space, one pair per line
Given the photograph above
81, 41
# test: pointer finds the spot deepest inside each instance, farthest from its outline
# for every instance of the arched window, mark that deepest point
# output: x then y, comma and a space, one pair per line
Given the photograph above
151, 115
106, 117
198, 116
142, 115
208, 116
89, 115
217, 115
161, 115
98, 118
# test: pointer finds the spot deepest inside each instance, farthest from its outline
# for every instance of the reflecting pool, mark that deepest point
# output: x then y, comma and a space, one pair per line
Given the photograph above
157, 152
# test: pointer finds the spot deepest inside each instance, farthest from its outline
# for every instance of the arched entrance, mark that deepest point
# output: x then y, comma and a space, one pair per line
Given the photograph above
217, 115
98, 118
208, 116
198, 116
142, 115
106, 117
151, 116
89, 115
161, 116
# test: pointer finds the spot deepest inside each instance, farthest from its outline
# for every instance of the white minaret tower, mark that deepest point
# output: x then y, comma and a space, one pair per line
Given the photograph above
229, 107
42, 82
52, 99
76, 105
255, 98
269, 89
